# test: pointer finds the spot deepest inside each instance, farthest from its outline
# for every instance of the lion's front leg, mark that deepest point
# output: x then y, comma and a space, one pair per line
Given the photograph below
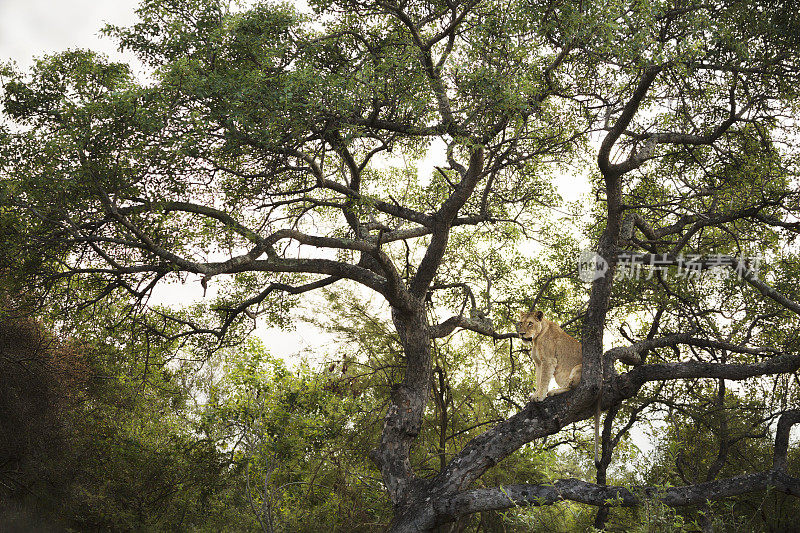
544, 373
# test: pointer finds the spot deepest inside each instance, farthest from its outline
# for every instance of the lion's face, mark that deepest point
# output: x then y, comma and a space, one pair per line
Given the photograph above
529, 325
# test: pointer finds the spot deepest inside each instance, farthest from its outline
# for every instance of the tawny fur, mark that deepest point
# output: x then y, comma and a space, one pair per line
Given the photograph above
555, 354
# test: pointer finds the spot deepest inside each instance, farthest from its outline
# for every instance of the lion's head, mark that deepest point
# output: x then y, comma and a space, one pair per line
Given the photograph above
530, 325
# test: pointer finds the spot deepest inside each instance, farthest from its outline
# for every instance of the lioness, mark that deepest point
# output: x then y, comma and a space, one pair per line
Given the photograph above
554, 353
558, 355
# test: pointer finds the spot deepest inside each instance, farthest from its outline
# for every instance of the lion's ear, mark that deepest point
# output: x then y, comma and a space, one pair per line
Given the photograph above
522, 315
538, 314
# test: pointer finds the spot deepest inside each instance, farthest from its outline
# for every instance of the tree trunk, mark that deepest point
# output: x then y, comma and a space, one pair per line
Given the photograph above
404, 417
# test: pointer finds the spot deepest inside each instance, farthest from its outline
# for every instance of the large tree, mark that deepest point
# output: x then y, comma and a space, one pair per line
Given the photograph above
269, 153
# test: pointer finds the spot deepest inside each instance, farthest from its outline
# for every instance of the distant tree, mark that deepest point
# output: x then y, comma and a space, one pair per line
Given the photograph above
81, 447
276, 151
38, 376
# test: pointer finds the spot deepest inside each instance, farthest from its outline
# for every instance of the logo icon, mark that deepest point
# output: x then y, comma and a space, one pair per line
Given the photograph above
591, 266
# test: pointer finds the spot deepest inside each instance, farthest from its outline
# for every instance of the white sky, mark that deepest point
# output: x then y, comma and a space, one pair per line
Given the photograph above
35, 27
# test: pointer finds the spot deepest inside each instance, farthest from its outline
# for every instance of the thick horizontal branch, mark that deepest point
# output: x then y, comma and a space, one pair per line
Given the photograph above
696, 139
321, 266
697, 221
637, 158
634, 351
505, 497
701, 369
420, 231
323, 242
478, 325
147, 241
575, 490
187, 207
539, 419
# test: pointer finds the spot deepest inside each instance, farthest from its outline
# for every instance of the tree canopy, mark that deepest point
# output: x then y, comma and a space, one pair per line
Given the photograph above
413, 152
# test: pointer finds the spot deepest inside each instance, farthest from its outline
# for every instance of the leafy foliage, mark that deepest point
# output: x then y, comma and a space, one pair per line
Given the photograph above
406, 159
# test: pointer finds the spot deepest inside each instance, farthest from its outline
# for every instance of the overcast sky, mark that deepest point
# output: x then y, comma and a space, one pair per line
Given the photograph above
35, 27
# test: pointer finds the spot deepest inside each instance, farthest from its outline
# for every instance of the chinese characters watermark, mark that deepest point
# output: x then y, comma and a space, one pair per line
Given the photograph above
631, 265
